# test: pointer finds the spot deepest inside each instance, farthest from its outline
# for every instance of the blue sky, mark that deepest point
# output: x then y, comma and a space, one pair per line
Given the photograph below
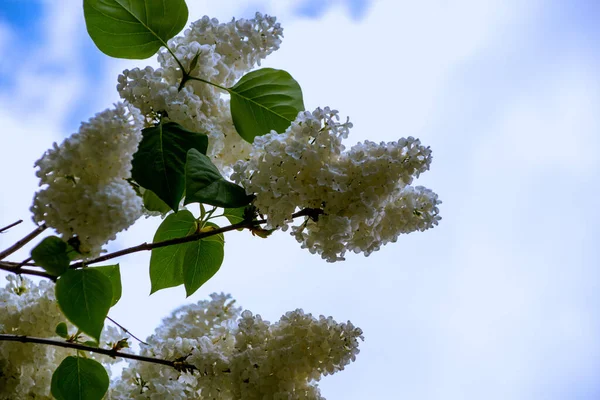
316, 8
498, 302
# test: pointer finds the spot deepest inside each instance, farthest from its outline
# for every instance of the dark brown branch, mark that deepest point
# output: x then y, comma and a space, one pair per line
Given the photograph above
149, 246
7, 227
310, 212
25, 262
107, 352
126, 331
20, 265
22, 242
41, 274
13, 268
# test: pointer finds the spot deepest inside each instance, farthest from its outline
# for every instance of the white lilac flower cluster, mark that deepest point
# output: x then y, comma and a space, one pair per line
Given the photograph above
29, 309
225, 52
239, 356
364, 193
84, 188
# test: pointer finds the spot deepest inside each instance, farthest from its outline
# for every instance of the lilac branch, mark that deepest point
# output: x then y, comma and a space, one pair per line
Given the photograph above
179, 365
7, 227
15, 269
125, 330
22, 242
307, 212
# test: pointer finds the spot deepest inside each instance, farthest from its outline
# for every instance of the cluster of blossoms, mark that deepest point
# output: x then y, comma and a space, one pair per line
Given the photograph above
364, 193
29, 309
225, 52
234, 354
239, 356
85, 192
362, 198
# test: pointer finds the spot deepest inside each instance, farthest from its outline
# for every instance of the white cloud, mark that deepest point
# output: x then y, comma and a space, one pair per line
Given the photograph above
553, 125
52, 70
517, 303
45, 85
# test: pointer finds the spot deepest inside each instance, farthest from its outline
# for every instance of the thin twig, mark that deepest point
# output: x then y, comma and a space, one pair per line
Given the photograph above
25, 261
180, 366
126, 331
15, 267
7, 227
16, 264
22, 264
22, 242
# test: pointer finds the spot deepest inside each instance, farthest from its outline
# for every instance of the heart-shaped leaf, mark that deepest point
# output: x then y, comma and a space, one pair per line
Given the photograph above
78, 378
264, 100
85, 296
159, 163
202, 260
166, 263
133, 28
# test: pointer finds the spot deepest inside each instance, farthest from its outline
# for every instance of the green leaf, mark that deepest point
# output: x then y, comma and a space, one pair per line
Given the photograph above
52, 254
264, 100
113, 273
85, 296
78, 378
62, 330
153, 203
235, 215
201, 261
204, 184
120, 344
133, 28
166, 263
159, 162
194, 62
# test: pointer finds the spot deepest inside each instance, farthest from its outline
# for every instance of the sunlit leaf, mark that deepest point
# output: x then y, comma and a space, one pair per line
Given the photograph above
264, 100
133, 28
